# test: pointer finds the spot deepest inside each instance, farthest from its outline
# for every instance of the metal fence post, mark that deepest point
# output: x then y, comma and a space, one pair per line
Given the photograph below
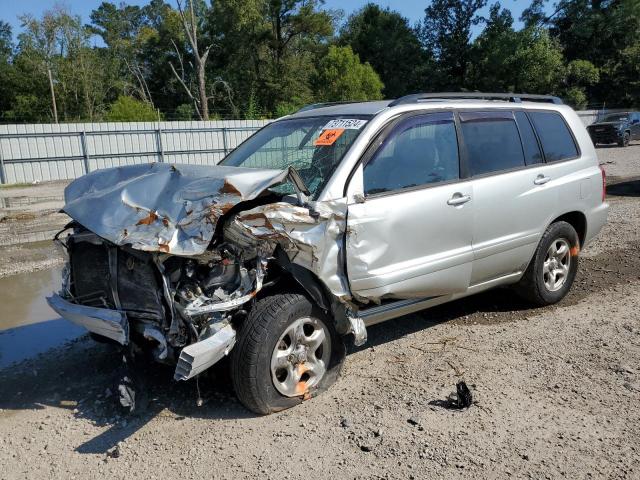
224, 141
3, 178
159, 143
85, 151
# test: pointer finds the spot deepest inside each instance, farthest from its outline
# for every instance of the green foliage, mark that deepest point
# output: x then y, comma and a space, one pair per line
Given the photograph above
342, 77
582, 72
446, 31
493, 53
252, 111
385, 40
128, 109
184, 112
537, 64
575, 97
286, 108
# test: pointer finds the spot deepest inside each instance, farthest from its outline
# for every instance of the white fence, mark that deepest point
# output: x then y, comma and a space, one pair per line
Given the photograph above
44, 152
590, 116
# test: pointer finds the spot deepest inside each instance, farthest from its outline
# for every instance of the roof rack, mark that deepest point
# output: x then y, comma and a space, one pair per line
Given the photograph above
313, 106
508, 97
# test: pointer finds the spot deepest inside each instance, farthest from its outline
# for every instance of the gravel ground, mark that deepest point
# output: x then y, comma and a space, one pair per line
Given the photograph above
557, 393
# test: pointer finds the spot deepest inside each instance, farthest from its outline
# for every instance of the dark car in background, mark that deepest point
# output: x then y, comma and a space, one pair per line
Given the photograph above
620, 128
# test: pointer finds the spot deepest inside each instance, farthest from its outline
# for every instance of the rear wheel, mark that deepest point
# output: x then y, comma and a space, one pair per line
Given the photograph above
287, 351
553, 268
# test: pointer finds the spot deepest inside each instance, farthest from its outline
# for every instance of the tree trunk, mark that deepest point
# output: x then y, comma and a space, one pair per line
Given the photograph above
53, 97
202, 89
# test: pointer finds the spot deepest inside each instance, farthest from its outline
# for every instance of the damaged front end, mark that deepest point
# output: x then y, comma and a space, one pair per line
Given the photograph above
180, 309
167, 260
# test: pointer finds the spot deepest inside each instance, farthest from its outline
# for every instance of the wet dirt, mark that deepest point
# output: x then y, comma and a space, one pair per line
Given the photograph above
28, 326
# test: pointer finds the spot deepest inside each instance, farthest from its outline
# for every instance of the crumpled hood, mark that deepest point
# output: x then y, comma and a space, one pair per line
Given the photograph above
162, 207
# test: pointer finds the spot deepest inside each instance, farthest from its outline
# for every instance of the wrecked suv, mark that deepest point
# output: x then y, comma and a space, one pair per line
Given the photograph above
326, 222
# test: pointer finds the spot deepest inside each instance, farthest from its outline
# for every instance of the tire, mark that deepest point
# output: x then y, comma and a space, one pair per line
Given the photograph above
626, 138
266, 338
537, 285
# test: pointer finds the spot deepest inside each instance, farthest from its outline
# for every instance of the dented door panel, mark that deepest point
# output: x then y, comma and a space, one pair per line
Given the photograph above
410, 244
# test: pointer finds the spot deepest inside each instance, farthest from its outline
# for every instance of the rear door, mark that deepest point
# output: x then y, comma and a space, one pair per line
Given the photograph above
409, 234
512, 201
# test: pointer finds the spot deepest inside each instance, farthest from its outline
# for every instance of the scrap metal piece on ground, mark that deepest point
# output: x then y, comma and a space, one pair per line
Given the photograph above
465, 398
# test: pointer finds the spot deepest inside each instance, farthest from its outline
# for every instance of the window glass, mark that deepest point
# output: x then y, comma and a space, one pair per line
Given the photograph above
300, 143
555, 137
492, 141
532, 154
421, 150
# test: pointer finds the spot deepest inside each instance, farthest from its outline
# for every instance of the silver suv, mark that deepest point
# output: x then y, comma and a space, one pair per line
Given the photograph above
324, 223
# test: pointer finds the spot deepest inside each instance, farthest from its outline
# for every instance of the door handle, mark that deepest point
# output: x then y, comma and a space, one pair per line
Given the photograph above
541, 180
458, 199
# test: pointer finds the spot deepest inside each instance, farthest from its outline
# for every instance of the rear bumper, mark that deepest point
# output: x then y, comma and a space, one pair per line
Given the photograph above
595, 221
609, 136
101, 321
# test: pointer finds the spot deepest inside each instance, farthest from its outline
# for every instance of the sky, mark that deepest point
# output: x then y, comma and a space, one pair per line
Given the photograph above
412, 9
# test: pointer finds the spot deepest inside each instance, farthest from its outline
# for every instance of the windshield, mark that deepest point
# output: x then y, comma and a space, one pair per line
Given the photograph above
618, 117
314, 146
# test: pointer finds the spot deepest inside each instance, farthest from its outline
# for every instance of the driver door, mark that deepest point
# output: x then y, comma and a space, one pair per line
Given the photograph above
409, 226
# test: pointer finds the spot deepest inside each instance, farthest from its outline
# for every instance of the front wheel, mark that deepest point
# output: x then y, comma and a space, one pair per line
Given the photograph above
287, 351
553, 268
624, 141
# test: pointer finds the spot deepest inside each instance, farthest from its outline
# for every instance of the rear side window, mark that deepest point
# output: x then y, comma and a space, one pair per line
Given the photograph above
557, 142
492, 141
532, 154
420, 150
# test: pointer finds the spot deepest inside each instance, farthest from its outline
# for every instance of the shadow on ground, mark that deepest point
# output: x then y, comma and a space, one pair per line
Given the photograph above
630, 188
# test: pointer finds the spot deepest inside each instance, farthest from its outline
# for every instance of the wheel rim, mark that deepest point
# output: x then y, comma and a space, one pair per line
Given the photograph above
555, 269
300, 357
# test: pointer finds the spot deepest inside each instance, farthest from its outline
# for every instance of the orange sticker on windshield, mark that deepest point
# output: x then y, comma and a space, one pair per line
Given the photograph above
329, 137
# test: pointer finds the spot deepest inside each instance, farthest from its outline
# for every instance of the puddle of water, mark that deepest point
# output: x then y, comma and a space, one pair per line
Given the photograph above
27, 325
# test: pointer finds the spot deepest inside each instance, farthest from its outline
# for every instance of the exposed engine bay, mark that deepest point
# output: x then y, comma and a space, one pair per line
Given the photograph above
169, 302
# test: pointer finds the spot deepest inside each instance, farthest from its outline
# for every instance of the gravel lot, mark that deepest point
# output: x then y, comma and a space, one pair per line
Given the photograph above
557, 393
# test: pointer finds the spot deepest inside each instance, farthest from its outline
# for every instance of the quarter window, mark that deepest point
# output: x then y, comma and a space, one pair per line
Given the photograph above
557, 142
530, 145
492, 141
421, 150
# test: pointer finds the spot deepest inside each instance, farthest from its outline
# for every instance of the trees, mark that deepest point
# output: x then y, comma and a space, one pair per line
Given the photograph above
56, 65
537, 64
384, 39
493, 52
446, 31
342, 77
129, 109
604, 33
263, 58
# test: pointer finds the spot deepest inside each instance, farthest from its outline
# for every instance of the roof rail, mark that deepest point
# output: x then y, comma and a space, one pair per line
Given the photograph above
313, 106
508, 97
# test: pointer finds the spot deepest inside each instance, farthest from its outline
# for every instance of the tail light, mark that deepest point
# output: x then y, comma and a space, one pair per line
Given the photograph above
604, 183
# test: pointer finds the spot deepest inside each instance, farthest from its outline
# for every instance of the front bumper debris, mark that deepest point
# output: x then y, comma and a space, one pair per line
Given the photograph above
201, 355
107, 323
